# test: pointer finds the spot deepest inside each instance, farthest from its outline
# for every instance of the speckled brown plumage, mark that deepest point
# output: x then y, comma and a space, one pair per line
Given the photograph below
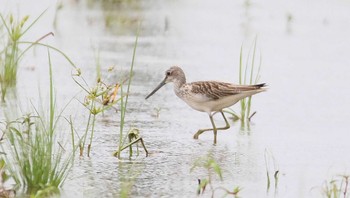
216, 90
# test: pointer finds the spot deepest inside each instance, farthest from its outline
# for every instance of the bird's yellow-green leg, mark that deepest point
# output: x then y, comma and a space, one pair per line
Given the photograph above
200, 131
214, 128
227, 124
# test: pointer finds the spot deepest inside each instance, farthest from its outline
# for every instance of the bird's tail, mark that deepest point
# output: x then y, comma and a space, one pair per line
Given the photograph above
260, 85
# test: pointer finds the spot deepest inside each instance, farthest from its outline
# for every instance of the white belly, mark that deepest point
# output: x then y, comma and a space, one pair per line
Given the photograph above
204, 104
212, 105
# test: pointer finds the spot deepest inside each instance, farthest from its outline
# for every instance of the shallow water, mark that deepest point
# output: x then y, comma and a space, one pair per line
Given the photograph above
301, 120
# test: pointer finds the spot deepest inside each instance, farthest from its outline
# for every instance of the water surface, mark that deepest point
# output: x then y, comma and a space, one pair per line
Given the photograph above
301, 120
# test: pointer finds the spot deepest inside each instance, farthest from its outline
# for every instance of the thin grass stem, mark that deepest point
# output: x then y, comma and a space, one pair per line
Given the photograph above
124, 103
92, 133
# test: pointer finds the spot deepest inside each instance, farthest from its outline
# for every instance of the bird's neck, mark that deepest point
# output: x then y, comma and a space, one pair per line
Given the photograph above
179, 82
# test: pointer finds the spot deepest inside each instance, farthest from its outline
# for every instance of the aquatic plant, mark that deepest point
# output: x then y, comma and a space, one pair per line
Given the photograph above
247, 76
39, 164
336, 188
123, 107
134, 138
289, 21
4, 177
156, 111
272, 170
98, 98
211, 166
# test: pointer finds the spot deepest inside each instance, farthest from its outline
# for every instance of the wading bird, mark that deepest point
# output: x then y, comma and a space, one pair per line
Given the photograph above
207, 96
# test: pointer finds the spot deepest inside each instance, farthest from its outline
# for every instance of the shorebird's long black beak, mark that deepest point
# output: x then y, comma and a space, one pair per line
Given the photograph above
157, 88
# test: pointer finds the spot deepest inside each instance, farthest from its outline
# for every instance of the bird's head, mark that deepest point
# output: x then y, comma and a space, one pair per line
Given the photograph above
174, 74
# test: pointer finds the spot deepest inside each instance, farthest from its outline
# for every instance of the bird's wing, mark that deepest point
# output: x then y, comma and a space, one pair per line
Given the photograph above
214, 90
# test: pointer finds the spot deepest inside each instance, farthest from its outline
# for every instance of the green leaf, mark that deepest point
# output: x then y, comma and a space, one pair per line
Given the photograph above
216, 168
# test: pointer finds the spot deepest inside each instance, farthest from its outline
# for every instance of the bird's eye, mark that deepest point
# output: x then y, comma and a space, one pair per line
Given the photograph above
168, 73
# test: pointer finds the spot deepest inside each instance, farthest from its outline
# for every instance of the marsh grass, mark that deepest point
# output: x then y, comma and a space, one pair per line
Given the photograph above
249, 73
10, 53
124, 103
11, 36
39, 165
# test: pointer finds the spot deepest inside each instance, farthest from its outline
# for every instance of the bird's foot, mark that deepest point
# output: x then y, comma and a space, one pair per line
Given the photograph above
195, 136
200, 131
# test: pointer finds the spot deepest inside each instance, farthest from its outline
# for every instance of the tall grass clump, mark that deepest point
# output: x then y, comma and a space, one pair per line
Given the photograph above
10, 53
11, 33
249, 74
39, 164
